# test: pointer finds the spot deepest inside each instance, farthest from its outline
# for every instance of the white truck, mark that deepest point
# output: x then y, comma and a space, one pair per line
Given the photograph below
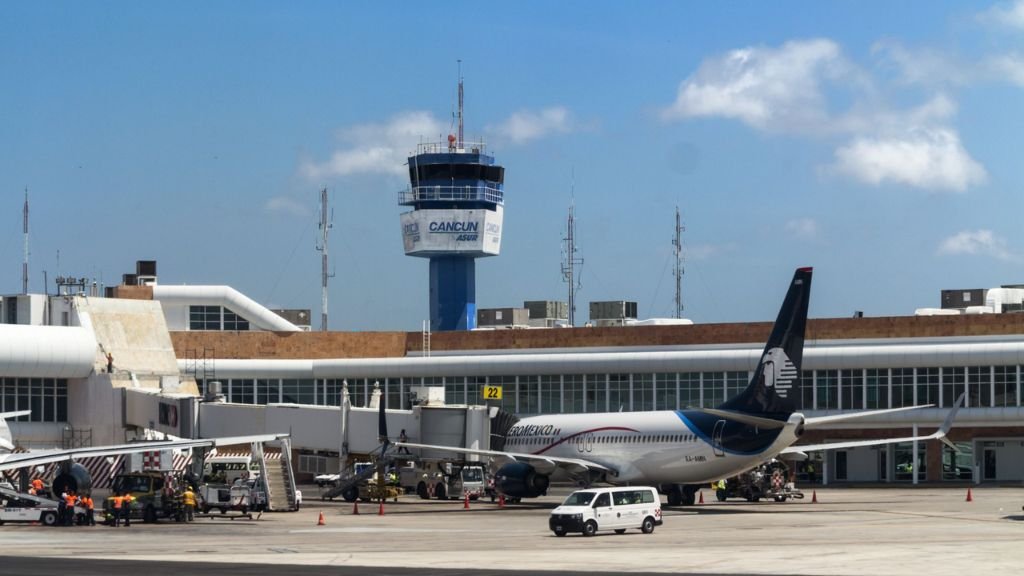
443, 480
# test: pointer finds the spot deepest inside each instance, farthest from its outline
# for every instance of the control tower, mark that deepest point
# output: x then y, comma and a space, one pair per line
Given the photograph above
456, 192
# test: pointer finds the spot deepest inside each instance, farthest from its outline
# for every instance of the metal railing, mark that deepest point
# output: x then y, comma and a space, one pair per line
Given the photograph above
445, 147
451, 194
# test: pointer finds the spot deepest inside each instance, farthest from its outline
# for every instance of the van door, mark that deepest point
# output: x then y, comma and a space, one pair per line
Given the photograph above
604, 513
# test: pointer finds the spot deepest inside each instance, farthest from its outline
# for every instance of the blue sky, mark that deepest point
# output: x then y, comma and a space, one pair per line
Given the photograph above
876, 141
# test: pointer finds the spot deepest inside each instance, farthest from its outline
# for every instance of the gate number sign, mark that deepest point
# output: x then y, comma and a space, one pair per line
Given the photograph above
492, 392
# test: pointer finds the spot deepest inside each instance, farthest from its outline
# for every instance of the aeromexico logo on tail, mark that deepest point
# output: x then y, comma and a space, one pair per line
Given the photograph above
780, 372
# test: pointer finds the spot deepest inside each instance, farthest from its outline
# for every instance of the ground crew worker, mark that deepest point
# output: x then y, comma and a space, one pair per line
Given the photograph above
126, 509
37, 485
69, 508
188, 498
118, 501
62, 509
90, 518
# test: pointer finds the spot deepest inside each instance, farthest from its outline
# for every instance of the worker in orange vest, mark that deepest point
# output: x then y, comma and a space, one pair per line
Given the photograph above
117, 501
69, 508
90, 518
37, 485
126, 508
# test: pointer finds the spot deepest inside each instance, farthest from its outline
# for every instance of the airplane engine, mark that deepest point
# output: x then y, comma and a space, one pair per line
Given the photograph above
520, 480
75, 477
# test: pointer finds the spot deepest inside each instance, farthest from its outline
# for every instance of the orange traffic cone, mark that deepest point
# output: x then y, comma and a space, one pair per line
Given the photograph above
701, 501
380, 511
320, 520
969, 497
465, 503
355, 508
814, 497
501, 500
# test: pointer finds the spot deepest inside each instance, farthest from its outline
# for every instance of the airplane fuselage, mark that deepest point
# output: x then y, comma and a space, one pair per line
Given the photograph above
664, 447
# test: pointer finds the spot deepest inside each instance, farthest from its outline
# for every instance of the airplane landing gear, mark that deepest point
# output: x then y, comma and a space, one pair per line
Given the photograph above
681, 494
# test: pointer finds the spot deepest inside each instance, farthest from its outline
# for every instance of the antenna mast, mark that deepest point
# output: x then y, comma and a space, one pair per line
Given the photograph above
326, 223
677, 244
460, 105
24, 264
570, 262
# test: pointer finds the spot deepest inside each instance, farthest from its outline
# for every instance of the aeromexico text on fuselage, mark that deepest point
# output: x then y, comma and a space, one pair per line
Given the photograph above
688, 426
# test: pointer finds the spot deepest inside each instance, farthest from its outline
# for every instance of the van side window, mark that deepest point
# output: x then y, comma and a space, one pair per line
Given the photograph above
622, 498
602, 500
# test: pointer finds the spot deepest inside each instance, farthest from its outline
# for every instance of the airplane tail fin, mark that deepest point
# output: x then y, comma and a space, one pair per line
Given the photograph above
774, 389
6, 440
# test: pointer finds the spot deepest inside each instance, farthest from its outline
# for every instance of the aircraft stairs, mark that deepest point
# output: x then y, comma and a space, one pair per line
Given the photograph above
344, 483
279, 478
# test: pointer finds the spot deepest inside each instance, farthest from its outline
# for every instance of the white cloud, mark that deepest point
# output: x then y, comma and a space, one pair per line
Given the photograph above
286, 205
977, 243
789, 89
921, 66
932, 159
526, 125
776, 89
803, 228
1010, 14
1009, 67
376, 148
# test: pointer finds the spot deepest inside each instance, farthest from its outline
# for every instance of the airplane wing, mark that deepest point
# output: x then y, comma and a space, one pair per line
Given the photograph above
27, 459
817, 421
573, 465
939, 434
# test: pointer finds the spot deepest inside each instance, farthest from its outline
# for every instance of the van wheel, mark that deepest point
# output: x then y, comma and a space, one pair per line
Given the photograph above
590, 528
560, 532
49, 518
620, 530
648, 526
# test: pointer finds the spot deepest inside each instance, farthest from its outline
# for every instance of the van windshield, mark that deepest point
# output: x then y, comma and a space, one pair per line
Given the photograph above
579, 499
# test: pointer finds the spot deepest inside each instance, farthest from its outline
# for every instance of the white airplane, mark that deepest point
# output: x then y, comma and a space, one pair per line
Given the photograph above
75, 476
679, 450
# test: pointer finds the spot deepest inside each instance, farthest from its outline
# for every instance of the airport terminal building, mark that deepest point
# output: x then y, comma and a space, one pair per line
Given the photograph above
169, 344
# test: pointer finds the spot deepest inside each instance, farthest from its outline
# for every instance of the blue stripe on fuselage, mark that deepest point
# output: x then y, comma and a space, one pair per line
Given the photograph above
737, 438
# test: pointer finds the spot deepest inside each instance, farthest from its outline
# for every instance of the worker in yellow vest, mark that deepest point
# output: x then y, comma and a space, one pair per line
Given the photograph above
188, 498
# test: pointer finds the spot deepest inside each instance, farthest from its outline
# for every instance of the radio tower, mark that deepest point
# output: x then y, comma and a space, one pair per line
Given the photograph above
570, 263
326, 223
24, 264
677, 244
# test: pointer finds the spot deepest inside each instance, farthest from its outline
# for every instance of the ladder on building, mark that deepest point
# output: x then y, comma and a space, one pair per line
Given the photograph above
279, 478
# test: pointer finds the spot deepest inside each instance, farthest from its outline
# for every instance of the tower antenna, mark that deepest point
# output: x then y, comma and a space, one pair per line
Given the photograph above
326, 223
460, 105
677, 245
570, 262
24, 264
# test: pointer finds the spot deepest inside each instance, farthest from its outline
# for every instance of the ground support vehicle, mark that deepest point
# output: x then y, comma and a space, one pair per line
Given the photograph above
243, 496
156, 495
444, 480
619, 508
765, 481
21, 507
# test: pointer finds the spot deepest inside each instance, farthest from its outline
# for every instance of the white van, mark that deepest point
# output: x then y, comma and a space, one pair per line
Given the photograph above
619, 509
